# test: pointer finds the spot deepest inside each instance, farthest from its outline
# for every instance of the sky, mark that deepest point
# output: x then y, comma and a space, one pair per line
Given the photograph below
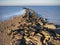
29, 2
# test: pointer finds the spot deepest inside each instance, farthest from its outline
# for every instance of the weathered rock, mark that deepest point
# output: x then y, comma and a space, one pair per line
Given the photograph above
32, 30
18, 36
9, 32
50, 26
46, 35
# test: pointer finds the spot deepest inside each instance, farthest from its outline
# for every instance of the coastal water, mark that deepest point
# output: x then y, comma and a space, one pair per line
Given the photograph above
52, 13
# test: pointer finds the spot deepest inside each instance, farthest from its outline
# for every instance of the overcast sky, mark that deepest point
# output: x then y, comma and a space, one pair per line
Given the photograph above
29, 2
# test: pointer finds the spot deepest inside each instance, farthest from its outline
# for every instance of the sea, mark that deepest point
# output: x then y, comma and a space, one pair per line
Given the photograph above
51, 13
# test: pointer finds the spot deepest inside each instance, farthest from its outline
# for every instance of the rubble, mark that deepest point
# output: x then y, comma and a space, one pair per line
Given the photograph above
32, 31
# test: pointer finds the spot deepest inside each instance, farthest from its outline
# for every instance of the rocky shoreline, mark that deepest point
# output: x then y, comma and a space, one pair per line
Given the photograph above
28, 29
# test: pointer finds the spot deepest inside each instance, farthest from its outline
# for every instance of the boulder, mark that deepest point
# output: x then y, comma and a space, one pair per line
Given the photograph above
50, 26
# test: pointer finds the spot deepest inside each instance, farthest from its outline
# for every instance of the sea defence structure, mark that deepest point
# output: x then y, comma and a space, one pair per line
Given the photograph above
29, 29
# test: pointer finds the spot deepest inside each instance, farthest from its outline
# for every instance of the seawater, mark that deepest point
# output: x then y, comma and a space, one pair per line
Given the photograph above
52, 13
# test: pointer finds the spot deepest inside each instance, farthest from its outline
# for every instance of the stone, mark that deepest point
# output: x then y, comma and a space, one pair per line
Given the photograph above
15, 32
32, 33
9, 32
47, 36
50, 26
18, 36
32, 30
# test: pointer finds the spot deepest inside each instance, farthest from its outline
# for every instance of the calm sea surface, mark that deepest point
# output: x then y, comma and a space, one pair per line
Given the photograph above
52, 13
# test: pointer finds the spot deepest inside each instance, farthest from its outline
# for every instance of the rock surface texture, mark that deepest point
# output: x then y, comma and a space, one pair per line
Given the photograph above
28, 29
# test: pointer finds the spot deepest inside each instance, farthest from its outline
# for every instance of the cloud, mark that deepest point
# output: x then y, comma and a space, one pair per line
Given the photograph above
29, 2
